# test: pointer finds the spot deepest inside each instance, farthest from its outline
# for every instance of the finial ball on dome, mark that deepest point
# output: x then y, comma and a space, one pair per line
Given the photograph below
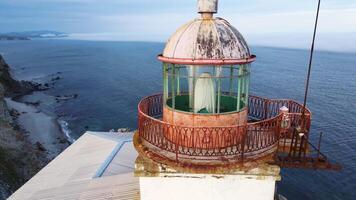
207, 6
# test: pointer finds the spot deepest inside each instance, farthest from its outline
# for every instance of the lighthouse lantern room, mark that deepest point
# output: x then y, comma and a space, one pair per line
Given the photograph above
206, 137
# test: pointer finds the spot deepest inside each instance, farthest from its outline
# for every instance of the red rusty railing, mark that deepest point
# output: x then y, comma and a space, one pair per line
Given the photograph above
263, 108
233, 143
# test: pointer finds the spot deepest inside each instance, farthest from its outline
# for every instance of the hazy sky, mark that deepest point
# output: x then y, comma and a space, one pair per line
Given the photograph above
263, 22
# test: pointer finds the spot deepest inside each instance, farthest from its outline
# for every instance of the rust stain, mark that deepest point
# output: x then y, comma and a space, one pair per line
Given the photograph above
211, 38
152, 164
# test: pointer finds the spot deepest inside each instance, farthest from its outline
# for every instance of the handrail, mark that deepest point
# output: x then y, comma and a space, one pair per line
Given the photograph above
239, 142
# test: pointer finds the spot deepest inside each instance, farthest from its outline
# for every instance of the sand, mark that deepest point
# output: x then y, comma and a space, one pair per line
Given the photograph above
41, 128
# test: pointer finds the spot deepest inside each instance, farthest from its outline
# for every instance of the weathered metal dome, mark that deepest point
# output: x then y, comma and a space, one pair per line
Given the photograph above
207, 38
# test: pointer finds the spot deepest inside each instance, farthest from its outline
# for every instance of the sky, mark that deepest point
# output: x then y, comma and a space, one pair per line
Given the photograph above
287, 23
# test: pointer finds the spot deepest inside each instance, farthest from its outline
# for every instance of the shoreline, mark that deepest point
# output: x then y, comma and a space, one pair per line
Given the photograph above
42, 130
43, 103
30, 136
65, 130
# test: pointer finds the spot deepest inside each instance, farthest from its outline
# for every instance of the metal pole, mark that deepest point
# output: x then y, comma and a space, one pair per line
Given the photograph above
219, 93
247, 85
310, 63
178, 81
165, 83
173, 87
239, 88
193, 95
319, 144
231, 79
303, 118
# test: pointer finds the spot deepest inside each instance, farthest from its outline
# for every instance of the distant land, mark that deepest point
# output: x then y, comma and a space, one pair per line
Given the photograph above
28, 35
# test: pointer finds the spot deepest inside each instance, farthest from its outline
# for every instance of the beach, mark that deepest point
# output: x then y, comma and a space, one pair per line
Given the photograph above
41, 129
30, 134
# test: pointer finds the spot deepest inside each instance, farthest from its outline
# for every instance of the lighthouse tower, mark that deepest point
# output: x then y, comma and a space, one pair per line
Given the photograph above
206, 137
190, 139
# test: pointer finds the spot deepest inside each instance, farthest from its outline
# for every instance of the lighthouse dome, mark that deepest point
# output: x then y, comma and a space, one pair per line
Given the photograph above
207, 38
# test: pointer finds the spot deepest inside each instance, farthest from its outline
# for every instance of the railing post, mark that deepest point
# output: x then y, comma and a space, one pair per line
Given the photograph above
292, 143
266, 107
296, 135
177, 143
307, 133
243, 142
304, 130
302, 140
278, 132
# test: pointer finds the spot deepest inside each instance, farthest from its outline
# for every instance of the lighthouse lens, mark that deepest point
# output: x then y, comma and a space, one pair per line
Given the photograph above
206, 89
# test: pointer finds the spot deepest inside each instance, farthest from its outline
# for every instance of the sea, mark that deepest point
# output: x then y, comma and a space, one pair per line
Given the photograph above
111, 77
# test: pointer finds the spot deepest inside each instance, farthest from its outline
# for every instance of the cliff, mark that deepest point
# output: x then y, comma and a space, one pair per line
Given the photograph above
11, 86
19, 160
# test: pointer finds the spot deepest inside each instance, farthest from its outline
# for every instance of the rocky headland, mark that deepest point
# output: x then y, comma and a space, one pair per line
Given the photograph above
28, 35
29, 139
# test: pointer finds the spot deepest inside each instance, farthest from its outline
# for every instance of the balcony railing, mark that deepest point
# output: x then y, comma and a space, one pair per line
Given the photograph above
221, 144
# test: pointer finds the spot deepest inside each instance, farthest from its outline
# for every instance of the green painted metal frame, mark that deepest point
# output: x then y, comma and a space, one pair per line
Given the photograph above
172, 84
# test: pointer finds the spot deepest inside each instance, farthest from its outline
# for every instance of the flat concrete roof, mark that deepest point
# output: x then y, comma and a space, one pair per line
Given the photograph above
97, 166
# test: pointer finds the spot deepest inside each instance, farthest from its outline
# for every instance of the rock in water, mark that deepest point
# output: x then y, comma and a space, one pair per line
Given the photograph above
40, 146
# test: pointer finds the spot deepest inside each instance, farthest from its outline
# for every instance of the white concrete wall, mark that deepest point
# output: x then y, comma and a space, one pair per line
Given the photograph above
207, 187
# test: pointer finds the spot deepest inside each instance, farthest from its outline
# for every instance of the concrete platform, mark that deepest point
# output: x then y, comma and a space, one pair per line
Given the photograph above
97, 166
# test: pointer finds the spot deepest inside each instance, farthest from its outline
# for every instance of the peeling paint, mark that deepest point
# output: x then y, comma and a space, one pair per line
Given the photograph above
213, 38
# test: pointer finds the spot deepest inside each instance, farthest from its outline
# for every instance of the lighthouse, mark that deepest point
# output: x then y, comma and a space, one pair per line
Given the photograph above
205, 136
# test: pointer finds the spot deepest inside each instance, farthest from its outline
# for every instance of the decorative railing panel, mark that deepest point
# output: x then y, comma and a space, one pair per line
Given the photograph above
262, 108
206, 143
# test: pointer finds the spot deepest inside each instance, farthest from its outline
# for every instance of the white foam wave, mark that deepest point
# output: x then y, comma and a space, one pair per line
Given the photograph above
65, 129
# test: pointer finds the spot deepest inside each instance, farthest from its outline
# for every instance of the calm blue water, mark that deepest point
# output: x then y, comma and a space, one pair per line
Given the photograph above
111, 77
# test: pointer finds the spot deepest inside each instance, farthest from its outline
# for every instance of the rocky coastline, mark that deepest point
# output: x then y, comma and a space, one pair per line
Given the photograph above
29, 35
24, 147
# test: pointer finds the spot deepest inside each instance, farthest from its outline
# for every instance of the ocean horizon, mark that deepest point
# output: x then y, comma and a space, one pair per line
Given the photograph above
110, 77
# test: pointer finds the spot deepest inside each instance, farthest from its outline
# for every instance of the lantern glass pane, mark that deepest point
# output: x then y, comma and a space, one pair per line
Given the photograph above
206, 89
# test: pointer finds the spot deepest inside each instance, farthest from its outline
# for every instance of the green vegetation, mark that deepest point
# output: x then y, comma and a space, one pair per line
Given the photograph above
8, 169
